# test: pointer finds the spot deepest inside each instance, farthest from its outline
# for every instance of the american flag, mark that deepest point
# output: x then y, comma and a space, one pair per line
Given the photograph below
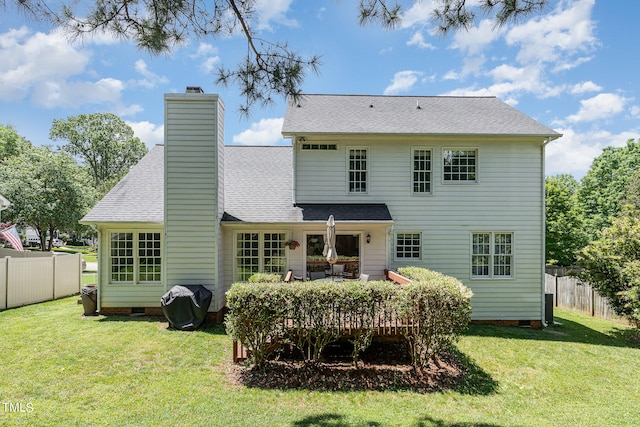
11, 235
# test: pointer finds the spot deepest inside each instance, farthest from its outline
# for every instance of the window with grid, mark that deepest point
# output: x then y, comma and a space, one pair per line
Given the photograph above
275, 259
459, 165
408, 246
247, 255
358, 170
135, 257
149, 257
421, 171
492, 255
122, 262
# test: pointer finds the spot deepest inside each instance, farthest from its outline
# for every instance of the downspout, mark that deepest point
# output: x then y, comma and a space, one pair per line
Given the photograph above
293, 170
544, 231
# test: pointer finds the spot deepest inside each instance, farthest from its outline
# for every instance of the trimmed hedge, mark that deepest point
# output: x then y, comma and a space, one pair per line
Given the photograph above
430, 313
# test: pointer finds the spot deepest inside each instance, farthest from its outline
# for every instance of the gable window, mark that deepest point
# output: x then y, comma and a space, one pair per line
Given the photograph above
421, 169
135, 257
357, 170
259, 253
408, 246
332, 147
492, 255
459, 165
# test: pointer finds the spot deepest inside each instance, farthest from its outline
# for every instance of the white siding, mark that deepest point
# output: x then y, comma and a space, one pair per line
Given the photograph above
124, 295
193, 176
372, 255
506, 198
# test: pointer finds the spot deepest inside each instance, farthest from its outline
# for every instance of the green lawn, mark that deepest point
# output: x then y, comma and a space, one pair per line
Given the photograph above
63, 369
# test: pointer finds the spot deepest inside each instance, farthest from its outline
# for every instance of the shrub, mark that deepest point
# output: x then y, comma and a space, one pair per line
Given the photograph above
440, 307
256, 313
431, 313
265, 278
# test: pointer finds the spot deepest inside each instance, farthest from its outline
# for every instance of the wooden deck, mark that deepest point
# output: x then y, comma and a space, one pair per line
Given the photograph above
383, 330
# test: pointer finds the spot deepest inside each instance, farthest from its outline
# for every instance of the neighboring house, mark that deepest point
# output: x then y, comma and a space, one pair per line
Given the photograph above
453, 184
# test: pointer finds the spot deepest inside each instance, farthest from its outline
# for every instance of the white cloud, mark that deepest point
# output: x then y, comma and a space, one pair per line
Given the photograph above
556, 37
403, 81
150, 79
599, 107
419, 13
208, 55
149, 133
52, 94
477, 38
53, 73
35, 61
574, 152
264, 132
585, 87
418, 40
273, 11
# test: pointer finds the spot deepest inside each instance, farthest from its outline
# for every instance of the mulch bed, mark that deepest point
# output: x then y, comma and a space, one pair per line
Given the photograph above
384, 366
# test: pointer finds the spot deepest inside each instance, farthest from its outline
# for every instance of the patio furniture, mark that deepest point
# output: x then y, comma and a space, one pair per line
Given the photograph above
315, 275
337, 270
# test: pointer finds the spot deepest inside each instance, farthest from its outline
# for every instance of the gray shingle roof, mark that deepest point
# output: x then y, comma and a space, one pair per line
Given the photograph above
258, 184
138, 197
427, 115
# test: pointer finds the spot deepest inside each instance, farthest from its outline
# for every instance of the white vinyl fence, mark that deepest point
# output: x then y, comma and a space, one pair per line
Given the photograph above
29, 279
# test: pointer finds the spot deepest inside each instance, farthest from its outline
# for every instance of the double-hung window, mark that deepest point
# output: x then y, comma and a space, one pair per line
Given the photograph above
460, 166
259, 253
492, 255
357, 170
421, 171
135, 257
408, 246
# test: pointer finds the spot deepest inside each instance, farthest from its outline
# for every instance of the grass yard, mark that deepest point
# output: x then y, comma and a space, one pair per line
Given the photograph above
58, 368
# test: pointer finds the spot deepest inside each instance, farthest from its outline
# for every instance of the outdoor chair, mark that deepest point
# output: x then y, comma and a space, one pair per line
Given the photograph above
316, 275
337, 270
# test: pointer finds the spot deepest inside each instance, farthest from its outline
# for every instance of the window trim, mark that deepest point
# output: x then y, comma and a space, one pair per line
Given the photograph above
136, 257
395, 246
430, 171
460, 182
261, 248
367, 170
492, 255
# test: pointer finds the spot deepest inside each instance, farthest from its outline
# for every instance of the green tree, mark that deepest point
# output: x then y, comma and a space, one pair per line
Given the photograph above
103, 143
49, 191
11, 143
631, 203
605, 185
269, 68
611, 265
564, 231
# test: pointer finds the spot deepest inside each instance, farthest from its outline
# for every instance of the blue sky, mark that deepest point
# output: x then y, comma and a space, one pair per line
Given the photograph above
573, 68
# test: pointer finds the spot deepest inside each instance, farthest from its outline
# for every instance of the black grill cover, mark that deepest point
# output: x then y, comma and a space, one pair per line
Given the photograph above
185, 307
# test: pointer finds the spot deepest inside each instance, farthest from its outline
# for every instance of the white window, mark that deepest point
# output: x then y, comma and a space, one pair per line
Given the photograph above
408, 246
421, 170
135, 257
492, 255
259, 253
460, 166
357, 170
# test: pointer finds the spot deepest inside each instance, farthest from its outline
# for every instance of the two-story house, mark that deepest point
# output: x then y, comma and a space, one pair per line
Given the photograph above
453, 184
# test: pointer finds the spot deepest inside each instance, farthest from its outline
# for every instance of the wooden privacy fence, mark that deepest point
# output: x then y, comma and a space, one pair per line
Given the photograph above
569, 293
32, 279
